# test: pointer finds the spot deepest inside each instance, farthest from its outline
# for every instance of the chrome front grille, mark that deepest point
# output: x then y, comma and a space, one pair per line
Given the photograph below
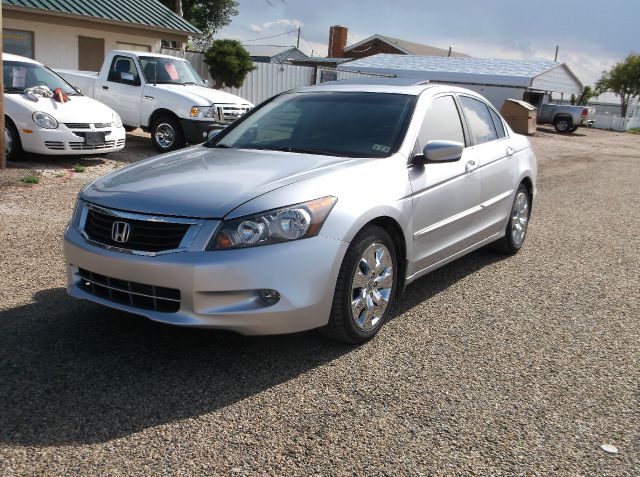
138, 295
144, 235
231, 112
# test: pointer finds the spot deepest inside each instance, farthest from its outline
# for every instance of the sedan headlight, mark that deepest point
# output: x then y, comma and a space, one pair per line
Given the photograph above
207, 112
44, 120
274, 226
117, 120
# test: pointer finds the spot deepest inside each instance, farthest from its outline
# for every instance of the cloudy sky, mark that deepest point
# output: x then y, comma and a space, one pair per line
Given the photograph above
592, 35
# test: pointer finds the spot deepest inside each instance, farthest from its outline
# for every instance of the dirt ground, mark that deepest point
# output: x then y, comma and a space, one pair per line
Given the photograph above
525, 365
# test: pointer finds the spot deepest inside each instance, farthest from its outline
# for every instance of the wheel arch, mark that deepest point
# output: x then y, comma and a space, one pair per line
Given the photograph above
161, 112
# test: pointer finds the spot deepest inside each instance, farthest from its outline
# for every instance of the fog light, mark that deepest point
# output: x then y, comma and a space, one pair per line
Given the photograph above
269, 297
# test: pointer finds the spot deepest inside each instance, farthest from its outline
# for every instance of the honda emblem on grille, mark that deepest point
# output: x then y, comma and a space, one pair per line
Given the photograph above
120, 232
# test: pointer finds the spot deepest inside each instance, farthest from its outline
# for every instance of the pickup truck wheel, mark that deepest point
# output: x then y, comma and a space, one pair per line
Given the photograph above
563, 125
12, 144
574, 129
166, 134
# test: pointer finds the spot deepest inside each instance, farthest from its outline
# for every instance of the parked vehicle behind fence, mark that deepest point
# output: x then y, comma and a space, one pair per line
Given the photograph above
312, 211
46, 115
161, 94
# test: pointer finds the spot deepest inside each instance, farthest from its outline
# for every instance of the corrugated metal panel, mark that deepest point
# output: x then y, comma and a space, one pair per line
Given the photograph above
142, 12
514, 73
558, 79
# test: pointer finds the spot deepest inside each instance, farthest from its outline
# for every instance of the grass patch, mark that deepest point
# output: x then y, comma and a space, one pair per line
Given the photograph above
634, 131
30, 179
78, 168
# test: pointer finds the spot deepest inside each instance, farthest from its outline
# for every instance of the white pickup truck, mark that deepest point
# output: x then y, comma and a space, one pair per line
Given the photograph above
161, 94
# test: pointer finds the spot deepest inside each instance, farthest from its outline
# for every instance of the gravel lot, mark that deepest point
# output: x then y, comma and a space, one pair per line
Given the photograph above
491, 366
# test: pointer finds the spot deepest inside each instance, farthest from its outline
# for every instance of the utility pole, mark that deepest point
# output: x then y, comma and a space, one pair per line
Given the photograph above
298, 42
555, 60
3, 159
178, 7
450, 48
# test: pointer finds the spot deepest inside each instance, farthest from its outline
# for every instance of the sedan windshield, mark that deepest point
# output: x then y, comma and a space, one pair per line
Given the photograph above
169, 71
19, 76
350, 124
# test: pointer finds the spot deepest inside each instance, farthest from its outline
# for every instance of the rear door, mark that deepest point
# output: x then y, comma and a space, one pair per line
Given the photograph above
496, 164
445, 195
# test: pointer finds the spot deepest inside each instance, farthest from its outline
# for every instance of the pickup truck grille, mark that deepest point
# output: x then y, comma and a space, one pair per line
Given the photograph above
231, 112
144, 236
138, 295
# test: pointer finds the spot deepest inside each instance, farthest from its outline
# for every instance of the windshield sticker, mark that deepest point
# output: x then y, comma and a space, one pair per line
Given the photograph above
379, 148
19, 75
173, 73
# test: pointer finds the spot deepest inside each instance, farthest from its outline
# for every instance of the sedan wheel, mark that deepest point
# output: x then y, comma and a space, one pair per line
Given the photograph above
12, 145
365, 287
516, 231
8, 142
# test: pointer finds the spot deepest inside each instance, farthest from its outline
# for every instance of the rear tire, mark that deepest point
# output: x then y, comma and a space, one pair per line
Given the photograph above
563, 125
12, 144
166, 134
365, 289
517, 225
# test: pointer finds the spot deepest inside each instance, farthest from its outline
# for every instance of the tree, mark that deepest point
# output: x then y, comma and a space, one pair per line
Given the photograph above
206, 15
582, 100
623, 79
229, 63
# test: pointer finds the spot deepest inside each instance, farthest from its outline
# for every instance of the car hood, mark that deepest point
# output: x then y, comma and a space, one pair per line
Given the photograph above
79, 109
202, 95
205, 182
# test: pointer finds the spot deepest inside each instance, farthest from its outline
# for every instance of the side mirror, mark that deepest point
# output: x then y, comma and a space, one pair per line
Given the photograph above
439, 151
213, 133
128, 77
206, 83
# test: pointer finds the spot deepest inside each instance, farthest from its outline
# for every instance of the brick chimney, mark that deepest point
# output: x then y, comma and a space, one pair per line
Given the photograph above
337, 41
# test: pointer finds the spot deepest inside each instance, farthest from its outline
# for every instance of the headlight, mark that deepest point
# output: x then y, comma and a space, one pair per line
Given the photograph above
116, 120
44, 120
77, 213
279, 225
202, 112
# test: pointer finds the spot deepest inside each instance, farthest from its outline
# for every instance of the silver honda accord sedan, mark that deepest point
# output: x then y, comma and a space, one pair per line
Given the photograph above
314, 210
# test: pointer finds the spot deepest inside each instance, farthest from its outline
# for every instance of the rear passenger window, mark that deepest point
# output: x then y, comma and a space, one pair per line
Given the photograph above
441, 123
498, 123
479, 119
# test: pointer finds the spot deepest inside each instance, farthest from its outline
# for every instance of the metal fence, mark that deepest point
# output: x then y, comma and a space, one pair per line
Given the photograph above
612, 122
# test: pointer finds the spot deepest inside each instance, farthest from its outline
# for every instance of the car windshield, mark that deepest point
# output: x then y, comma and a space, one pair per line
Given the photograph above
350, 124
169, 71
19, 76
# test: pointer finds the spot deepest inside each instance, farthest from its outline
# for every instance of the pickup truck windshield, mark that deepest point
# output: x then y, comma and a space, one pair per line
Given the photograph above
349, 124
19, 76
169, 71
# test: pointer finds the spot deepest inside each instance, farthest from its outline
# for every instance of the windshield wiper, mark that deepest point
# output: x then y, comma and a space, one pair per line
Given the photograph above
189, 82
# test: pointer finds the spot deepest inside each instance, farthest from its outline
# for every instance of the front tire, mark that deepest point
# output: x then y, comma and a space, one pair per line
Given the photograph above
166, 134
563, 125
12, 144
365, 288
517, 225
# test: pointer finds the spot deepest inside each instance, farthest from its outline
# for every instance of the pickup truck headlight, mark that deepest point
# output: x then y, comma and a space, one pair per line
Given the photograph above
293, 222
117, 120
207, 112
44, 120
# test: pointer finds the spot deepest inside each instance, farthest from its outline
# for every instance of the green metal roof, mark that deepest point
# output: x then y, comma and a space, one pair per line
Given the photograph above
142, 12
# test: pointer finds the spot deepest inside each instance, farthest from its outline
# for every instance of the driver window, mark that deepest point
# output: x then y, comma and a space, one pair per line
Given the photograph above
123, 70
441, 123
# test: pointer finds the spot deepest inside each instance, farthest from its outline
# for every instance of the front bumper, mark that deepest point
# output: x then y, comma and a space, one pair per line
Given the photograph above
219, 289
63, 141
196, 131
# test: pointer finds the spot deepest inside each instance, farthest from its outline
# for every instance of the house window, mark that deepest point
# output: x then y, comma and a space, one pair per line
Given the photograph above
18, 42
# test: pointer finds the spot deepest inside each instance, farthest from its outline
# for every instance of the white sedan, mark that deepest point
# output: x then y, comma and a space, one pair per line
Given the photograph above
46, 115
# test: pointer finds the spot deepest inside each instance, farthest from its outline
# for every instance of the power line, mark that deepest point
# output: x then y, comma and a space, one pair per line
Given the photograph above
308, 44
273, 36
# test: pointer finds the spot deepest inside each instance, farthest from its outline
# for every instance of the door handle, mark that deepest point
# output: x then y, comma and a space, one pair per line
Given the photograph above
510, 151
470, 166
105, 87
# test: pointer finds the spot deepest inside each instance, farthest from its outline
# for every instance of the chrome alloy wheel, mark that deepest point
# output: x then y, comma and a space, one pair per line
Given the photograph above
371, 286
165, 135
519, 218
8, 142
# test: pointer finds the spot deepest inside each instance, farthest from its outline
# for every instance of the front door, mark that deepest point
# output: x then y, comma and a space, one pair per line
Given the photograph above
122, 89
446, 195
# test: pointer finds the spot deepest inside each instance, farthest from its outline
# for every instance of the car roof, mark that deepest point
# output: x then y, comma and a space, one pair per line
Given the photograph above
414, 88
24, 59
